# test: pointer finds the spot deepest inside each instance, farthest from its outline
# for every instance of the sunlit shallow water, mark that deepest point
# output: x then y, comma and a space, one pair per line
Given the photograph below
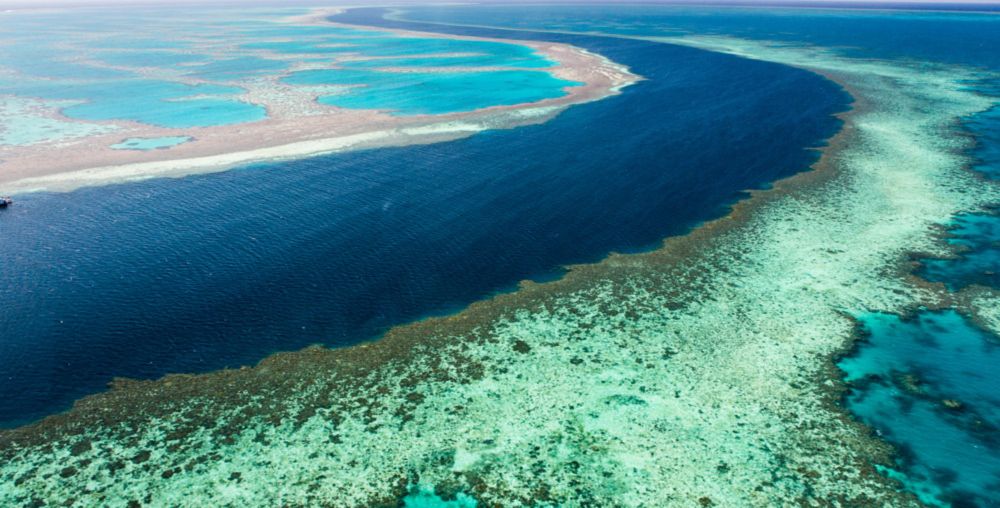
171, 75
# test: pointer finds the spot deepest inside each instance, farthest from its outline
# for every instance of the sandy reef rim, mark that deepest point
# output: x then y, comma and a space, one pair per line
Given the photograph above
89, 160
699, 373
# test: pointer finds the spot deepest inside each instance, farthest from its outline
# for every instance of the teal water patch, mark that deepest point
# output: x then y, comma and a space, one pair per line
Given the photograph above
238, 68
302, 47
986, 129
977, 236
447, 61
415, 93
487, 53
160, 103
424, 497
291, 31
128, 42
150, 143
151, 58
930, 386
416, 52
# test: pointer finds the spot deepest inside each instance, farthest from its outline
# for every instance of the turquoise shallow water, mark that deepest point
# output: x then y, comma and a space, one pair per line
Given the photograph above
65, 56
929, 384
978, 261
975, 235
154, 102
432, 93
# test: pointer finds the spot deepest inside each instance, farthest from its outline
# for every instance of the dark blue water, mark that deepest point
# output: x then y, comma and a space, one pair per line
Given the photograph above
220, 270
964, 38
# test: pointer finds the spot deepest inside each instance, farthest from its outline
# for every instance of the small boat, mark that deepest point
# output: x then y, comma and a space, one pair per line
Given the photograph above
6, 201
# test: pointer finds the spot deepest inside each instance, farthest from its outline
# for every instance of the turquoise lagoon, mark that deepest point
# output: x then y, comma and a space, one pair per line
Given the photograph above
152, 102
235, 69
154, 58
434, 92
170, 74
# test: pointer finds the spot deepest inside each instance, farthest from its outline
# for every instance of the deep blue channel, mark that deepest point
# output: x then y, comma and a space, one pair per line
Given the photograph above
204, 272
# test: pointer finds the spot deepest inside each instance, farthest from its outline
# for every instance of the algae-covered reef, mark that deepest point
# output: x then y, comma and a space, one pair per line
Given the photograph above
698, 374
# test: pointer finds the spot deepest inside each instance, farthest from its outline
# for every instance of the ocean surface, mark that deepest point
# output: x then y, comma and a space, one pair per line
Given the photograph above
927, 383
210, 271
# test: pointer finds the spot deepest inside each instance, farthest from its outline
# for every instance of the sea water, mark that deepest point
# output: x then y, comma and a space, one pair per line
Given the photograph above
433, 93
927, 384
219, 270
171, 75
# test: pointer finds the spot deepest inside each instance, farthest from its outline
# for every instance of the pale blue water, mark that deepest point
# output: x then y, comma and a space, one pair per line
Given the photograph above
150, 143
35, 61
151, 58
159, 103
487, 53
238, 68
432, 93
59, 56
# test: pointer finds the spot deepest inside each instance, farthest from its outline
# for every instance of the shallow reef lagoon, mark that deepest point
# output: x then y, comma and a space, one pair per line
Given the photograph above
130, 280
171, 75
341, 247
928, 383
440, 92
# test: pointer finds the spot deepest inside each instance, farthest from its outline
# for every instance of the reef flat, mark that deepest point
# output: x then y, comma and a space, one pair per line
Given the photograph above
266, 86
696, 374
